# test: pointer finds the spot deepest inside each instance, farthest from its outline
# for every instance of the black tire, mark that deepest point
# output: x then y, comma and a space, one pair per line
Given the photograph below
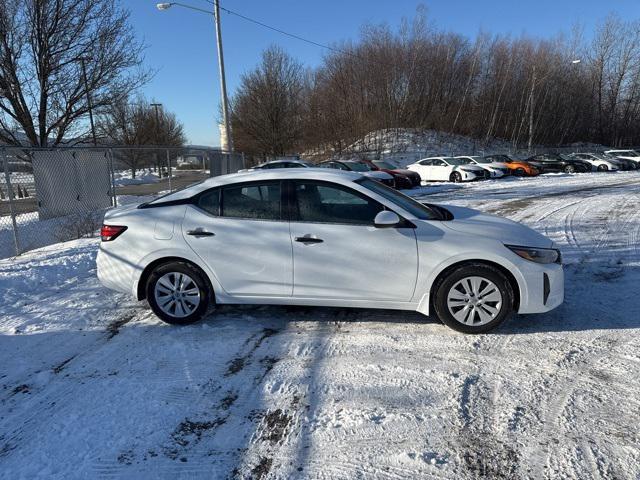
455, 177
519, 172
446, 284
603, 168
198, 278
569, 169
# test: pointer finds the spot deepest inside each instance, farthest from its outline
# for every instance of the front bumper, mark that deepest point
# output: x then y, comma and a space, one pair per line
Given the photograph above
543, 289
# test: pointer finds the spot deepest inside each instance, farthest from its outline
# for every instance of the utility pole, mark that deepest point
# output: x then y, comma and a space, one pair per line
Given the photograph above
156, 132
86, 90
223, 81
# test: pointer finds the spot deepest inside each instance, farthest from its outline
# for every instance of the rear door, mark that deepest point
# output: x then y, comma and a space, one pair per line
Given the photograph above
241, 233
338, 253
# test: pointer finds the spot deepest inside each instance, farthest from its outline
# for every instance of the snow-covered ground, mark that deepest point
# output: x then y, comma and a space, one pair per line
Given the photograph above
124, 177
93, 385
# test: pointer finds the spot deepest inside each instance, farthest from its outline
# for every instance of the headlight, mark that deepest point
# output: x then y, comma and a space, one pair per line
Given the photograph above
538, 255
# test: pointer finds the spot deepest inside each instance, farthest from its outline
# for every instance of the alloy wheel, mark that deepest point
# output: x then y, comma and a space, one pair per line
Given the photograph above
474, 301
177, 294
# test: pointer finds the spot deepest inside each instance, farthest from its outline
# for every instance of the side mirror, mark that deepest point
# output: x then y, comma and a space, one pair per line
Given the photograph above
386, 219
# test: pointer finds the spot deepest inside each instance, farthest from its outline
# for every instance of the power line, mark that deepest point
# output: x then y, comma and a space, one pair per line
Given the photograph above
297, 37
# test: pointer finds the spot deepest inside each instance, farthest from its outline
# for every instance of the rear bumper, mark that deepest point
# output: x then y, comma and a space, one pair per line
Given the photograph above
114, 272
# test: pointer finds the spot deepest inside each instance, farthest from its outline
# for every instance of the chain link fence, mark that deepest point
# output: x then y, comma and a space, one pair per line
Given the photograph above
59, 194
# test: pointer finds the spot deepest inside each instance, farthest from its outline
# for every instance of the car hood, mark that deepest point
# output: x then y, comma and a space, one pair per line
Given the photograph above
473, 222
377, 174
475, 168
496, 165
405, 171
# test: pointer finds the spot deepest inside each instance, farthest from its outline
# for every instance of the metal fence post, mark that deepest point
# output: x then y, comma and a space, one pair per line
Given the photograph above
112, 175
169, 169
16, 239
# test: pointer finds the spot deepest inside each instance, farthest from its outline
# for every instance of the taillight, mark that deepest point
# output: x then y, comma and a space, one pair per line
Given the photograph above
111, 232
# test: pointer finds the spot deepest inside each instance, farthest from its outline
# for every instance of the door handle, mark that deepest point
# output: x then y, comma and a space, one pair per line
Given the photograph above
308, 239
199, 232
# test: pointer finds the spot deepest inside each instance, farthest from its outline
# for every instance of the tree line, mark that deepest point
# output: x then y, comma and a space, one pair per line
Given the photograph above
525, 90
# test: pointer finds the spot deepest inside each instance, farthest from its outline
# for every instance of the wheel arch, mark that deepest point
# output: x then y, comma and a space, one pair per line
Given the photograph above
426, 304
141, 293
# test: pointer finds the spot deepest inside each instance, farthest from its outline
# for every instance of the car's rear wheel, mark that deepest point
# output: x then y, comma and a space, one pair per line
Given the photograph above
178, 293
603, 168
519, 172
456, 177
474, 298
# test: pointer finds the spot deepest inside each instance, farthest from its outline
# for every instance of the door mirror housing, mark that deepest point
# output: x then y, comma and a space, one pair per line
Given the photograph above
387, 219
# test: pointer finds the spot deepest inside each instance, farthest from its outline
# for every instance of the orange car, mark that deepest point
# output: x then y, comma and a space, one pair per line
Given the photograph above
519, 168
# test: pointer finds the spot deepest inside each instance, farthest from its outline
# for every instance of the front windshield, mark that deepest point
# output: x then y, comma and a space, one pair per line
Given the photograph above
357, 166
415, 208
458, 161
383, 164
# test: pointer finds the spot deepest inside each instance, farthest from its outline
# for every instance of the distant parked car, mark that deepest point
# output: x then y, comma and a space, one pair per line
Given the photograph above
404, 178
448, 169
325, 238
519, 168
629, 155
599, 162
495, 169
280, 164
552, 162
358, 166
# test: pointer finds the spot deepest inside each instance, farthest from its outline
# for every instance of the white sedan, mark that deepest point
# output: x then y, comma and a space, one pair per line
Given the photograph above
327, 238
599, 163
448, 169
631, 155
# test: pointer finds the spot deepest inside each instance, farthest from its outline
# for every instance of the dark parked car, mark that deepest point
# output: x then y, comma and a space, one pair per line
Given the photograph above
358, 166
404, 178
552, 162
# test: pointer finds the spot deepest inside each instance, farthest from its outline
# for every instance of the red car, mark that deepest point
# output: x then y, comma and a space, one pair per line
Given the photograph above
404, 178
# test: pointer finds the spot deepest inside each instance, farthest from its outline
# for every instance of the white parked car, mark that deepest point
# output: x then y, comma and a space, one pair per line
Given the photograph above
448, 169
326, 238
599, 163
631, 155
279, 164
495, 169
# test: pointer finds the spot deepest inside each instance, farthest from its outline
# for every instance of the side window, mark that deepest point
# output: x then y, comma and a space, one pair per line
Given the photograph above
325, 203
339, 166
426, 163
253, 201
439, 163
293, 165
210, 201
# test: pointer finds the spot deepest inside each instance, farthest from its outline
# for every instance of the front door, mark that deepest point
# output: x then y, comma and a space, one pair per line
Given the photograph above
338, 253
239, 231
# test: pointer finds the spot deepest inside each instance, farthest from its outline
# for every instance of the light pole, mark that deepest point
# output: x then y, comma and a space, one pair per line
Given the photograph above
531, 101
223, 81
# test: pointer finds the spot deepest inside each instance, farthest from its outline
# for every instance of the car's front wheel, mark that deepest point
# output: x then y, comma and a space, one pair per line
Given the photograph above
474, 298
603, 168
455, 177
178, 293
519, 172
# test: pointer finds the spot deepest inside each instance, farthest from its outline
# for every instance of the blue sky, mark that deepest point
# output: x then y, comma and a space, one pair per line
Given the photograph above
181, 42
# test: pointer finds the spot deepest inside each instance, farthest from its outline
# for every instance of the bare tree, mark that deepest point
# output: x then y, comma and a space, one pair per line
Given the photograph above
138, 123
267, 109
43, 96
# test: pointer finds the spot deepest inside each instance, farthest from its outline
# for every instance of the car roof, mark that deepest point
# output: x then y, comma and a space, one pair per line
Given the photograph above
326, 174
